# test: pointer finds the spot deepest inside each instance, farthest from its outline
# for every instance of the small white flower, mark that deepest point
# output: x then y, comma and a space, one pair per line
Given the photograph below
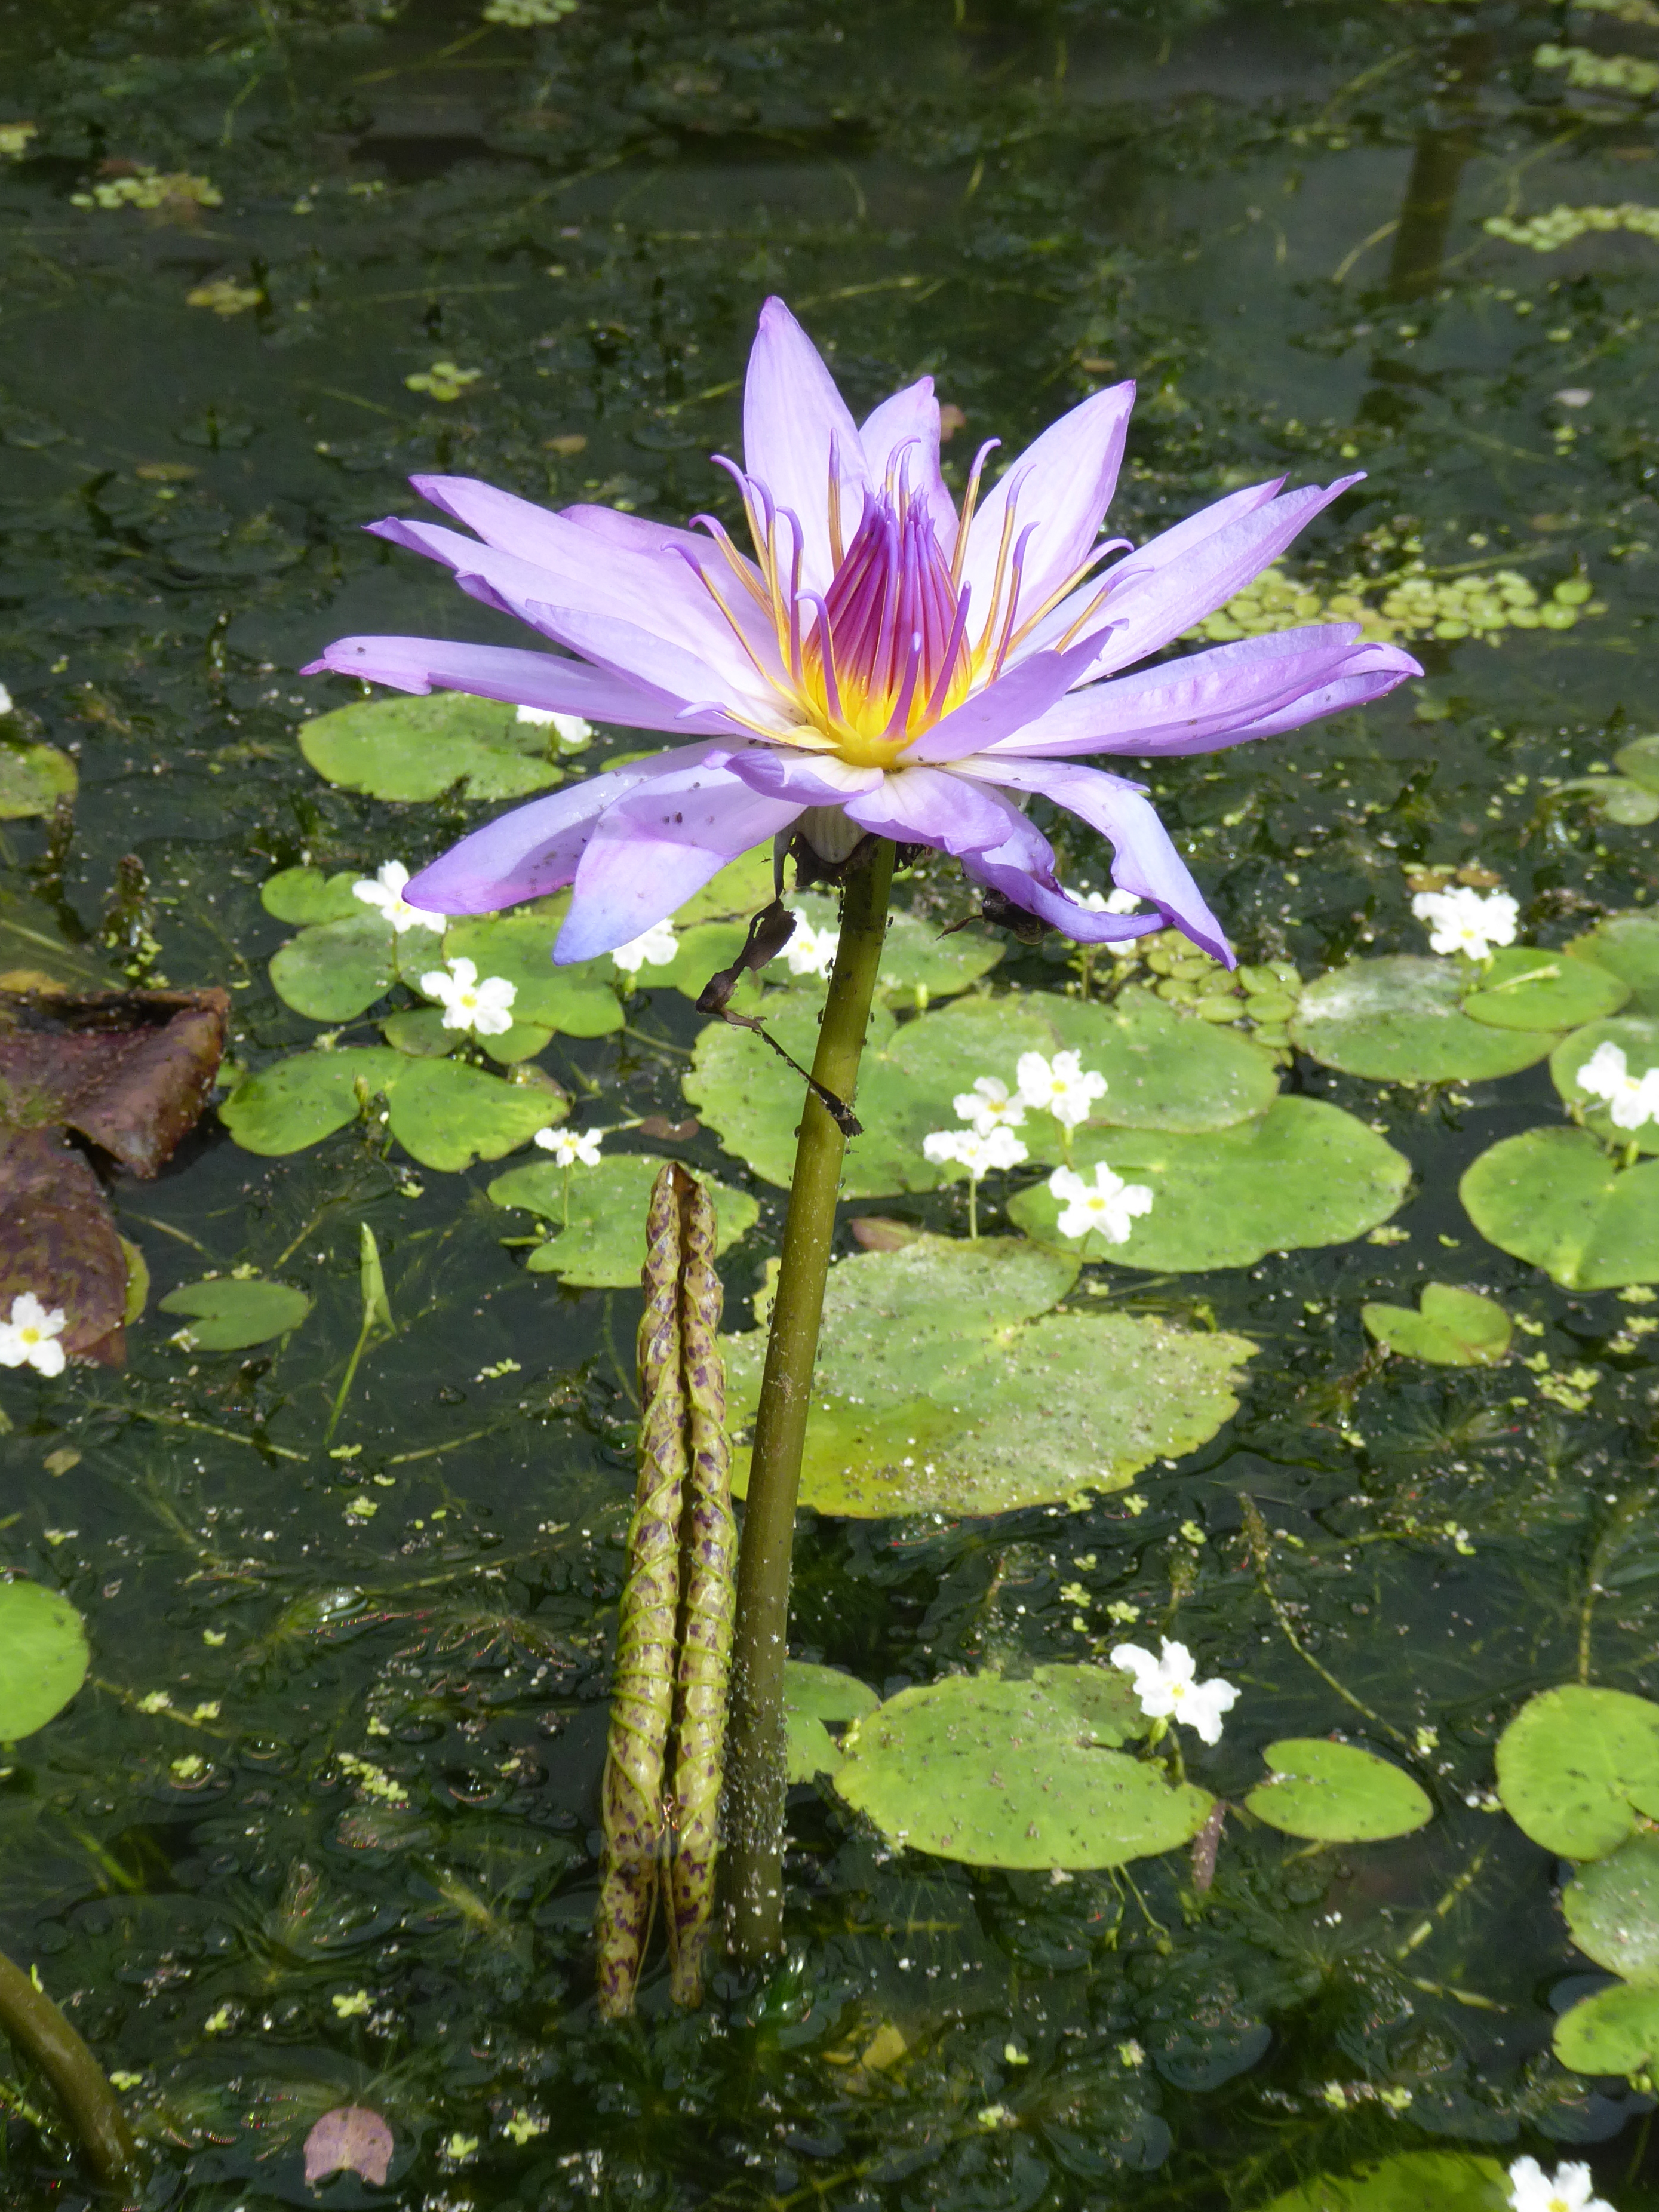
574, 734
1632, 1100
1461, 921
1167, 1688
571, 1147
5, 700
1532, 2190
978, 1151
659, 946
1107, 1205
1061, 1086
384, 890
485, 1008
30, 1338
1111, 902
990, 1105
811, 951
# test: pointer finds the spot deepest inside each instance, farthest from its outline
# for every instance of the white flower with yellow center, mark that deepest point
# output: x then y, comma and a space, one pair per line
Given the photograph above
811, 951
1568, 2190
656, 949
571, 1147
485, 1006
1461, 921
1107, 1206
977, 1150
1632, 1100
990, 1105
1167, 1688
384, 891
30, 1338
1061, 1086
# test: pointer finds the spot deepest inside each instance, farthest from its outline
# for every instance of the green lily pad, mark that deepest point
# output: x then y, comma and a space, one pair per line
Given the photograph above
747, 1094
1613, 1909
1336, 1793
811, 1696
604, 1244
1639, 760
945, 1384
1524, 988
304, 896
997, 1773
580, 1001
1401, 1020
1637, 1036
337, 969
446, 1114
702, 951
32, 779
303, 1099
916, 962
43, 1657
740, 890
1627, 945
1555, 1197
419, 1031
413, 748
1576, 1766
1621, 799
1616, 2031
1456, 1329
1412, 2181
1304, 1173
228, 1315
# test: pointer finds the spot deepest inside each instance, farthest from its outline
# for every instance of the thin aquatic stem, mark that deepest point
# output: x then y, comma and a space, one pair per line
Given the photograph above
755, 1774
30, 2018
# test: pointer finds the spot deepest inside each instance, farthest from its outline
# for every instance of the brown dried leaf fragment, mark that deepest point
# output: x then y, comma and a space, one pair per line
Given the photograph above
132, 1070
57, 1239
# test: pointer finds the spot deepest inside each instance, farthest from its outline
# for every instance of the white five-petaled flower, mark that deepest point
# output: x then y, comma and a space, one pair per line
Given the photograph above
30, 1338
1632, 1099
1112, 901
1168, 1689
574, 734
990, 1105
978, 1151
384, 890
1568, 2190
1061, 1086
657, 948
811, 951
485, 1006
1462, 920
1107, 1206
571, 1147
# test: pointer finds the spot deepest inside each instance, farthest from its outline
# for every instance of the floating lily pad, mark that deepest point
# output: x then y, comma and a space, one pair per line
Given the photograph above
1413, 2181
1556, 1198
228, 1314
1639, 760
702, 952
1456, 1329
1637, 1036
446, 1114
604, 1244
1628, 946
1576, 1766
1304, 1173
418, 748
32, 779
915, 957
1336, 1793
747, 1094
580, 1001
305, 896
334, 970
302, 1100
1401, 1020
811, 1697
1524, 988
1009, 1774
1616, 2031
1613, 1909
945, 1383
419, 1031
43, 1657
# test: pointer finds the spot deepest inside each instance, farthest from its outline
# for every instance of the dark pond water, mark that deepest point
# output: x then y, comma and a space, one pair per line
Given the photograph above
1272, 216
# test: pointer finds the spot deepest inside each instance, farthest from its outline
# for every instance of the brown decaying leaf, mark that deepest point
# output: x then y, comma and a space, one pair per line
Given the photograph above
351, 2139
57, 1239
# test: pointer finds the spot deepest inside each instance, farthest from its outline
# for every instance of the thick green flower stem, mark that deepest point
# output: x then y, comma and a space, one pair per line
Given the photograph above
32, 2022
755, 1772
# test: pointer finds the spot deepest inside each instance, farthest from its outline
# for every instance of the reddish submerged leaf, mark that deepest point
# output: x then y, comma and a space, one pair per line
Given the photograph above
351, 2139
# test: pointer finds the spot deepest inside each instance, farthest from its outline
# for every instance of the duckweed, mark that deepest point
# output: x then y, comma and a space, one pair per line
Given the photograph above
1546, 234
1415, 605
141, 185
1589, 72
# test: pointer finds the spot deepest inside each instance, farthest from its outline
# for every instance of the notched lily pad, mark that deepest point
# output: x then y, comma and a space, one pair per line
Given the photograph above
334, 969
1412, 2181
228, 1314
1613, 1909
1576, 1767
1557, 1198
813, 1696
303, 1099
1616, 2031
1401, 1020
443, 1112
32, 779
305, 896
1009, 1774
1455, 1328
1627, 945
416, 749
1637, 1036
1336, 1793
602, 1245
1524, 988
43, 1657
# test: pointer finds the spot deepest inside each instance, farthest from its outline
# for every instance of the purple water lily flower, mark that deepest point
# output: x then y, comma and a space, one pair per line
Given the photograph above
879, 665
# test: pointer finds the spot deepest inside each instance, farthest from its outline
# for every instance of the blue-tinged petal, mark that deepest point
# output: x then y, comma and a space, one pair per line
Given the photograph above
794, 421
903, 434
806, 779
931, 807
1017, 698
640, 657
1372, 673
547, 680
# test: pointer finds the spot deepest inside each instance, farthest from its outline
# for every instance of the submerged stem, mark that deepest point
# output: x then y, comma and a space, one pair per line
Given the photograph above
35, 2024
755, 1774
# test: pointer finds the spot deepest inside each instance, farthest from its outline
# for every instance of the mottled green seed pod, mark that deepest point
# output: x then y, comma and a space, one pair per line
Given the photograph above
642, 1702
709, 1555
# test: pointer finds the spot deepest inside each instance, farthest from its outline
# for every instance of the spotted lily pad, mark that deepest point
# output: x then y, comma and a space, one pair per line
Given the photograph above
43, 1657
1613, 1909
747, 1095
32, 779
1577, 1765
334, 969
1401, 1020
228, 1314
1304, 1173
1637, 1036
443, 1112
1627, 945
1557, 1198
418, 748
1455, 1328
1616, 2031
604, 1243
1009, 1774
1524, 988
303, 1099
305, 896
580, 1001
1336, 1793
813, 1696
1411, 2181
